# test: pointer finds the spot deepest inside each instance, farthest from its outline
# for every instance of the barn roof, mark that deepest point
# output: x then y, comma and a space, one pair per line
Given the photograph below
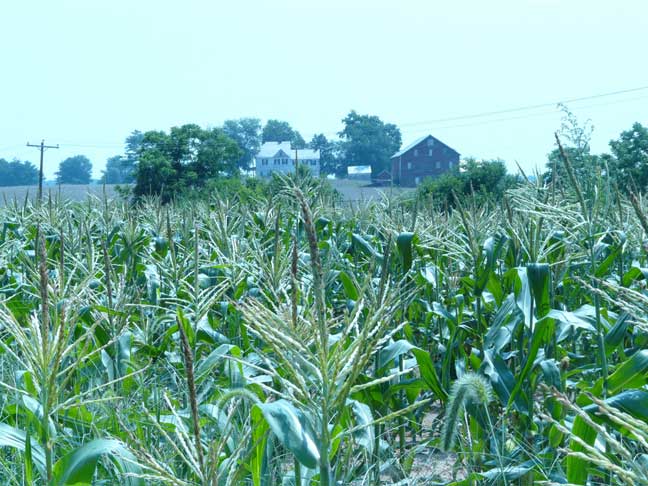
409, 147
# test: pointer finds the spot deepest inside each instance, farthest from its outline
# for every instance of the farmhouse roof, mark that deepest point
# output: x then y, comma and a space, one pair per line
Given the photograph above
270, 149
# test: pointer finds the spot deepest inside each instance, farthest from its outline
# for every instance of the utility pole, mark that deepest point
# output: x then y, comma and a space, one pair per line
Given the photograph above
42, 147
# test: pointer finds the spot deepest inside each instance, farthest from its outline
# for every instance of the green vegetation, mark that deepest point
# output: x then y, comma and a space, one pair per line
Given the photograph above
483, 180
170, 164
17, 173
275, 336
281, 131
367, 140
74, 170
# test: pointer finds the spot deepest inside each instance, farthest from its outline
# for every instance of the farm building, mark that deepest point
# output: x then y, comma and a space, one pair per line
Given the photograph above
359, 172
425, 157
280, 157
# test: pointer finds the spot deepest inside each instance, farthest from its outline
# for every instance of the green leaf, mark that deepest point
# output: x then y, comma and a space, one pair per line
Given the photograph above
79, 466
615, 335
635, 273
392, 351
551, 373
213, 359
258, 463
364, 436
502, 379
17, 439
541, 334
632, 373
29, 475
486, 263
350, 289
603, 267
289, 425
361, 244
428, 373
577, 467
570, 321
539, 274
632, 402
405, 242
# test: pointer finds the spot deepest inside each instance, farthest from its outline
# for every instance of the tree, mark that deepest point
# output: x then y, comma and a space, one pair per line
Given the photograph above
281, 131
17, 173
246, 132
187, 157
117, 171
367, 140
631, 153
75, 170
331, 158
485, 179
129, 160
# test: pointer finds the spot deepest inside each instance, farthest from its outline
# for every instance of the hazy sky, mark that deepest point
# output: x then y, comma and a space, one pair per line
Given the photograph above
85, 73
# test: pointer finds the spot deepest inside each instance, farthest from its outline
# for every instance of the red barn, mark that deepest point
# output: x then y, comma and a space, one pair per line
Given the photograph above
425, 157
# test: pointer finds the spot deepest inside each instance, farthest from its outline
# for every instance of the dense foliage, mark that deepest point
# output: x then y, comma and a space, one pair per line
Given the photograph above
246, 132
121, 169
482, 180
293, 340
74, 170
281, 131
170, 164
367, 140
17, 173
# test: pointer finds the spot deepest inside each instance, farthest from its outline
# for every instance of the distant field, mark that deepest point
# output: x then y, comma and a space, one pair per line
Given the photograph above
351, 190
357, 190
68, 191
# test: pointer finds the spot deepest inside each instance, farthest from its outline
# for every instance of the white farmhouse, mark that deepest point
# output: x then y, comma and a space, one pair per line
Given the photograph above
279, 157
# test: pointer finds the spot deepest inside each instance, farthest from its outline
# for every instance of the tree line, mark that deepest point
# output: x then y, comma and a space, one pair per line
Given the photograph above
188, 156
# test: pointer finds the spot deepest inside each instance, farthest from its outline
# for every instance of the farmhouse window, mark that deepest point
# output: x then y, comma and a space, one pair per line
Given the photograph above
430, 152
438, 164
415, 152
409, 166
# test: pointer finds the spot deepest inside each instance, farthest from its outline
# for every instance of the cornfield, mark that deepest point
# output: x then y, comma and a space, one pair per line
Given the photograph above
301, 341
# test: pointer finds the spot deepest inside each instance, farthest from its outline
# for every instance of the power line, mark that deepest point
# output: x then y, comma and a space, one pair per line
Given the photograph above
527, 107
42, 147
529, 115
430, 124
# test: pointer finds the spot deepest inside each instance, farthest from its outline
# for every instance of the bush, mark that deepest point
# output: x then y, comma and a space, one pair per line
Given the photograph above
484, 179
